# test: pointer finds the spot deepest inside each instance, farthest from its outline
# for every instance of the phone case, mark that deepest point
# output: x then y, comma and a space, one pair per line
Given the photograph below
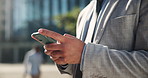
43, 39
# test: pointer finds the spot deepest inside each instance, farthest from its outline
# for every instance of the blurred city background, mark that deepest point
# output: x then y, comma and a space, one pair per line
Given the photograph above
20, 18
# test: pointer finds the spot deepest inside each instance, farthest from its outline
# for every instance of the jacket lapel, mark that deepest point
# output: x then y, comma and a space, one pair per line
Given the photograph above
92, 24
103, 19
83, 19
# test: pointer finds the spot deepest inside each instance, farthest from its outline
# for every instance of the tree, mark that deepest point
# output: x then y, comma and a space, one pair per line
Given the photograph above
67, 22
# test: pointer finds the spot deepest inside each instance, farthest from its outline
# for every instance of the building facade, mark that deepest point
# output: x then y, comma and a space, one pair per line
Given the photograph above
2, 19
19, 18
29, 15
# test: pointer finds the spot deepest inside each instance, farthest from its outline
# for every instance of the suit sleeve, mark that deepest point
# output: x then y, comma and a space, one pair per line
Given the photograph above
70, 68
100, 61
65, 69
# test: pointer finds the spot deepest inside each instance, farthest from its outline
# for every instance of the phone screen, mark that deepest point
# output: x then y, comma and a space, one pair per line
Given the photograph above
43, 39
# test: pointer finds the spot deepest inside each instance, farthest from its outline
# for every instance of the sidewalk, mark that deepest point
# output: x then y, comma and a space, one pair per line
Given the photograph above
17, 70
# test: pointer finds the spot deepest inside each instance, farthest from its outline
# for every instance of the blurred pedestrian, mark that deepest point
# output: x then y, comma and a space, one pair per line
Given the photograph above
32, 61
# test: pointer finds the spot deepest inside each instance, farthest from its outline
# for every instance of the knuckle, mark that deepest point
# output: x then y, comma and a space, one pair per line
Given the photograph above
46, 46
61, 47
47, 52
64, 55
66, 59
53, 53
64, 39
64, 47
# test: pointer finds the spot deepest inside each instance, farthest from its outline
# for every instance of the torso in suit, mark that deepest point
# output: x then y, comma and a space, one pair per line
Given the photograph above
116, 40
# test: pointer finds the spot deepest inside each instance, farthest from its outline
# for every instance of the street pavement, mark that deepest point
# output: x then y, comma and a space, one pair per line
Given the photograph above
17, 71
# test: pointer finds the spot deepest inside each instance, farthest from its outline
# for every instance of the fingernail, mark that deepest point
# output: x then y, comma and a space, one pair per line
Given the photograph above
40, 30
65, 34
44, 46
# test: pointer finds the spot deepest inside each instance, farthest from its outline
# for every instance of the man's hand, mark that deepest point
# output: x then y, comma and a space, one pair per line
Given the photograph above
67, 50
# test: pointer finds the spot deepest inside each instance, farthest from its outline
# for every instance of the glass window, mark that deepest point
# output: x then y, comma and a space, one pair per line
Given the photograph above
64, 6
82, 3
55, 7
46, 12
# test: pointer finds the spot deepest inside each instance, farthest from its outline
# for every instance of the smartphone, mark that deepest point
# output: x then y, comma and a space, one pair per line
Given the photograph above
42, 39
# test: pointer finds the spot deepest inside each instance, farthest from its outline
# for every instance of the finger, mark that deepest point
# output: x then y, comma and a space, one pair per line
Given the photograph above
53, 47
56, 54
53, 58
70, 36
60, 61
48, 52
52, 34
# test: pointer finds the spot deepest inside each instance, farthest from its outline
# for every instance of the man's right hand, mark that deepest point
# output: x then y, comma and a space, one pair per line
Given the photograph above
68, 50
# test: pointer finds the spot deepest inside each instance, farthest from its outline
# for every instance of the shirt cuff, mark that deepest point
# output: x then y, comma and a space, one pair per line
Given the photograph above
63, 66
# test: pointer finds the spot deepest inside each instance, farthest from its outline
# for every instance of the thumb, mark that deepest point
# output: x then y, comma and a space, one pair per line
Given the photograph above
70, 36
52, 34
